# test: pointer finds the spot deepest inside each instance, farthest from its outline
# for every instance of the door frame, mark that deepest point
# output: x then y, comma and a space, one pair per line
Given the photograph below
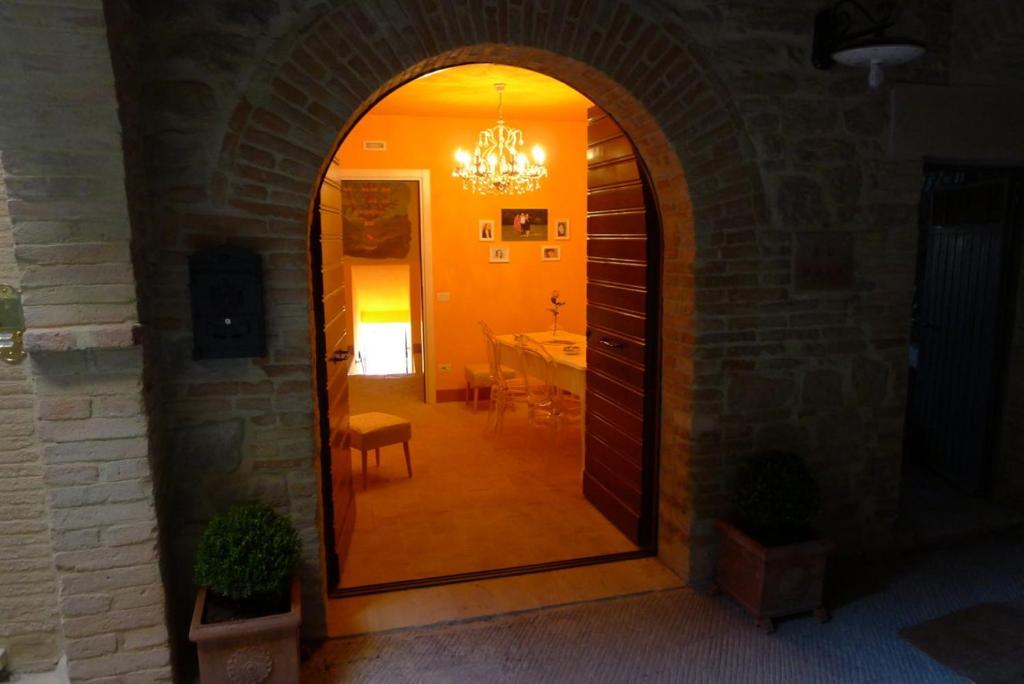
422, 176
652, 408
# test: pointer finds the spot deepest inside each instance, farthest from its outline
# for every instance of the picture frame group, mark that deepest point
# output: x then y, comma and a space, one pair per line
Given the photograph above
519, 229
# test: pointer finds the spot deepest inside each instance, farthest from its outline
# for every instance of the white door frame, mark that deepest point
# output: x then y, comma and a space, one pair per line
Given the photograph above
426, 262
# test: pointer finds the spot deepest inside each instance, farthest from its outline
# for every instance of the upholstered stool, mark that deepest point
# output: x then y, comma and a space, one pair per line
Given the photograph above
478, 375
375, 430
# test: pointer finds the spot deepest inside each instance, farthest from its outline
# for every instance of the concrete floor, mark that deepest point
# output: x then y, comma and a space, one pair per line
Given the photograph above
683, 636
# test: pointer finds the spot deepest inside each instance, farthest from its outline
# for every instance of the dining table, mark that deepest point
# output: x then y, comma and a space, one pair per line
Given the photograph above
569, 370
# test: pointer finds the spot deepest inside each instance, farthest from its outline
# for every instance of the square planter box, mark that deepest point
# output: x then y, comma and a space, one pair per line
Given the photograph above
771, 581
263, 650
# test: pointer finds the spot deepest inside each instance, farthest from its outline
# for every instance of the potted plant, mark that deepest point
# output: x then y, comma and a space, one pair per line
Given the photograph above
248, 610
770, 559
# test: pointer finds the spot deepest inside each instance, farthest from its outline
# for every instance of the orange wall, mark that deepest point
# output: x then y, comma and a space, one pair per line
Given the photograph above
511, 297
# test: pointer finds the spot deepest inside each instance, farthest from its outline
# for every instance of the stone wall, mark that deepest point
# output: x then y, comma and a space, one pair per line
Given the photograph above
64, 171
29, 619
988, 43
805, 320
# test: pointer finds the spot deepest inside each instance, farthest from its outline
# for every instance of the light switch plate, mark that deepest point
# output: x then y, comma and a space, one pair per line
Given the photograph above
444, 296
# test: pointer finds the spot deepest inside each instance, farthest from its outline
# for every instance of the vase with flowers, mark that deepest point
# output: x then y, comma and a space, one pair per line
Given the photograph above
556, 304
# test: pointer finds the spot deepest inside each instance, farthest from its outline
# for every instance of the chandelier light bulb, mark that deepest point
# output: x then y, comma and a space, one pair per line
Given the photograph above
538, 154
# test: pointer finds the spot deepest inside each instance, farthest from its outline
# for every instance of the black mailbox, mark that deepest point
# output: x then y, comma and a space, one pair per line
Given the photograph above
226, 284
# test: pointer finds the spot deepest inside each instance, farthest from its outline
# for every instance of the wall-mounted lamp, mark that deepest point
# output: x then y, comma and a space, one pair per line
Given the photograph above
12, 325
838, 37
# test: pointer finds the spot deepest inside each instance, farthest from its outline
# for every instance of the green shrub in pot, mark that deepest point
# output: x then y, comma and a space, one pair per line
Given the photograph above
775, 498
248, 556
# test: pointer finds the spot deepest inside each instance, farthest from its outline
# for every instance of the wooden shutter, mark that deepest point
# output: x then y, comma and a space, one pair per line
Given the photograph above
617, 476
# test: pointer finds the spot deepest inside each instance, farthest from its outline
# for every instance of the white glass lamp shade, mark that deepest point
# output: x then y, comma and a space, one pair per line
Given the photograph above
878, 55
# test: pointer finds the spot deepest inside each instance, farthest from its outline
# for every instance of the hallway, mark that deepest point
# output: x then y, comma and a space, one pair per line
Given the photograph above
684, 636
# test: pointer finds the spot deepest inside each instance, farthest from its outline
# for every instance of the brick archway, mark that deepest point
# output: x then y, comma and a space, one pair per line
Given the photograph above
295, 114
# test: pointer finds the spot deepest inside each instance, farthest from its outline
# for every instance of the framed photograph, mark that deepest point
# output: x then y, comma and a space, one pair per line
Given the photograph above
499, 255
550, 253
562, 229
486, 230
520, 225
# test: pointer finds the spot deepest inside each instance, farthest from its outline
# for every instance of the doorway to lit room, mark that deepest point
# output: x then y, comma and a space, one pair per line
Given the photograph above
534, 423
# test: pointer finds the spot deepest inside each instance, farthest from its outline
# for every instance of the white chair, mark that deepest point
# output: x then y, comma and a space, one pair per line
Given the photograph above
536, 368
507, 388
481, 375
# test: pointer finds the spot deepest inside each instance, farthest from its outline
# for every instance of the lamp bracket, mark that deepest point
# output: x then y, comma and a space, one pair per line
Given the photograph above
837, 27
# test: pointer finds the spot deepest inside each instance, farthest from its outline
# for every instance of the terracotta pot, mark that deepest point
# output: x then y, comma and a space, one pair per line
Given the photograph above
263, 650
772, 581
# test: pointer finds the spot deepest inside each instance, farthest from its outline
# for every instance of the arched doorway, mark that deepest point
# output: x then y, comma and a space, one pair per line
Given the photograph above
621, 276
668, 102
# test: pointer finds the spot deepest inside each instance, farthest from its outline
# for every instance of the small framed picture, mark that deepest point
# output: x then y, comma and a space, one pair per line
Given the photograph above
499, 255
486, 230
550, 253
562, 229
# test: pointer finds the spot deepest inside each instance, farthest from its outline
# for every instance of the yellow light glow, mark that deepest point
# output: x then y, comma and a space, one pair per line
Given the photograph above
538, 154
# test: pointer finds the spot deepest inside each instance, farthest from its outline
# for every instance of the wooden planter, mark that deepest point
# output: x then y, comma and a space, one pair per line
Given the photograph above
771, 581
263, 650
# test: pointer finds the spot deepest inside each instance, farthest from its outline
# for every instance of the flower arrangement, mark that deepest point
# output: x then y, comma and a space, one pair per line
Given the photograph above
555, 306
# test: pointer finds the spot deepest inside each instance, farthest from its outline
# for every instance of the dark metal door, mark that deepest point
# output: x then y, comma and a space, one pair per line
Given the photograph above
961, 324
622, 272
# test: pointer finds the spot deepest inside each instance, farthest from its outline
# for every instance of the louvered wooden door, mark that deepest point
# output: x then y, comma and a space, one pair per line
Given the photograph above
621, 271
334, 344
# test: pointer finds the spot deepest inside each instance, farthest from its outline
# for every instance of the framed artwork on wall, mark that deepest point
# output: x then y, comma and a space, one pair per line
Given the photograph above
562, 229
550, 253
485, 230
499, 255
518, 225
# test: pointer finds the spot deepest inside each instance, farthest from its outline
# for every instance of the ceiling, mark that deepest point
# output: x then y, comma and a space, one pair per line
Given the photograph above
468, 91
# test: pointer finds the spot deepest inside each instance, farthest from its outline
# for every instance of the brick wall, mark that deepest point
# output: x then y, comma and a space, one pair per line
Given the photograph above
29, 620
64, 170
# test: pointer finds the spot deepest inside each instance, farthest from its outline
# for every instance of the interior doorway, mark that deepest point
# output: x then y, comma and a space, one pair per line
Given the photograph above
959, 463
480, 500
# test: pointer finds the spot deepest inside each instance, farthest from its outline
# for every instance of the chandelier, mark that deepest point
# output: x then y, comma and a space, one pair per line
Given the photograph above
498, 166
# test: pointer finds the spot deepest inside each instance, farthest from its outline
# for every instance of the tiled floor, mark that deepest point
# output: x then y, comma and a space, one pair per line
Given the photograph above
477, 501
679, 635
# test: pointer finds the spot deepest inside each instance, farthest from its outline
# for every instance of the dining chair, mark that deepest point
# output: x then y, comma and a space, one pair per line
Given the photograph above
481, 375
536, 367
507, 388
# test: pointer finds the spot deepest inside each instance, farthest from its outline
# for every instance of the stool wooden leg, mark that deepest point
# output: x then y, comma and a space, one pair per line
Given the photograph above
377, 454
469, 390
476, 397
408, 460
363, 451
